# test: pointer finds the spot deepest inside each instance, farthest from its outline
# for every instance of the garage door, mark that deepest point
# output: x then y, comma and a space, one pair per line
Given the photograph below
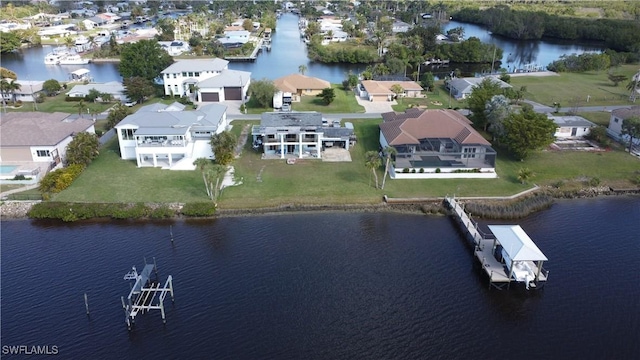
210, 97
232, 93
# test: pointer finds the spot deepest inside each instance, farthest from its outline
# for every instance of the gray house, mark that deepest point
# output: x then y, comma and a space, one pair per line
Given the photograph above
460, 88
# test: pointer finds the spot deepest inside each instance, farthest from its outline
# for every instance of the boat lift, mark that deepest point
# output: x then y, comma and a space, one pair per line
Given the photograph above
146, 289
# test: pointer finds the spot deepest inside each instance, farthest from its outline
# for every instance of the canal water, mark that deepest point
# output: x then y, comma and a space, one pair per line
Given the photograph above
326, 286
289, 52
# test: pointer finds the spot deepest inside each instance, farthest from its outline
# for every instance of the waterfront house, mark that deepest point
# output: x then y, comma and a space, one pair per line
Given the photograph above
374, 90
208, 80
460, 88
299, 85
28, 91
571, 126
235, 37
400, 27
166, 136
114, 88
618, 116
175, 48
38, 137
436, 143
283, 135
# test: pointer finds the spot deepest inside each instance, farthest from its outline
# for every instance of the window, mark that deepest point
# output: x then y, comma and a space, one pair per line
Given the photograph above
184, 74
175, 76
190, 74
615, 120
43, 153
168, 76
127, 134
197, 74
469, 153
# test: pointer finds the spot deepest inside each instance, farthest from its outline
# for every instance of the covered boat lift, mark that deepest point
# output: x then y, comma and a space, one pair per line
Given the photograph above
520, 254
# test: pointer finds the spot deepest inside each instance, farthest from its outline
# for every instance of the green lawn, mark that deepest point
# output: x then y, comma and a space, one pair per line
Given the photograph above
597, 117
437, 99
345, 102
58, 104
273, 182
572, 89
111, 179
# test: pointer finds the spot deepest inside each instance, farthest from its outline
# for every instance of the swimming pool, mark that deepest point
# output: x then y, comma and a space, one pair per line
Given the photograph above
7, 169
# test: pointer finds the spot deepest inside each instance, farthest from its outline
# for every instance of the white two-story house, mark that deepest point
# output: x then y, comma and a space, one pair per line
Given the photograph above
166, 136
207, 80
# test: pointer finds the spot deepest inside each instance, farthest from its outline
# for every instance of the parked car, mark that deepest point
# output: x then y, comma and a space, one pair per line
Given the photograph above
130, 103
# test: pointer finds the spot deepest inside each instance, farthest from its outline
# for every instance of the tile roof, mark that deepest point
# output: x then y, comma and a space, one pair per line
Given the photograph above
294, 82
403, 128
39, 129
376, 87
179, 66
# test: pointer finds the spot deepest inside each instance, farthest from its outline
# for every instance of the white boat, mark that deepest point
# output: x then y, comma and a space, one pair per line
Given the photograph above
54, 57
73, 59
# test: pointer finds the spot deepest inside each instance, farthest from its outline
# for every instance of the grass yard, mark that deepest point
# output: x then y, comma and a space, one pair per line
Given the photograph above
272, 182
572, 89
437, 99
58, 104
345, 102
111, 179
597, 117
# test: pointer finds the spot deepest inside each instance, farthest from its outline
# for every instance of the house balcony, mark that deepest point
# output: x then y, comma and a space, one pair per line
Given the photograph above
161, 143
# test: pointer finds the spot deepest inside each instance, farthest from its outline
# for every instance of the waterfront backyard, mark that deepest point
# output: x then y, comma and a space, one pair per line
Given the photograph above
268, 183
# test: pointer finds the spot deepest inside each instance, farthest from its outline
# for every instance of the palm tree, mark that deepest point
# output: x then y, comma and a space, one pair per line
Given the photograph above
69, 41
4, 89
302, 69
202, 163
11, 87
81, 106
524, 174
389, 152
373, 162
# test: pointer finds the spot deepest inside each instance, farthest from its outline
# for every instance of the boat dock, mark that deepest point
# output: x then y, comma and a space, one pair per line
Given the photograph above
252, 57
144, 292
506, 255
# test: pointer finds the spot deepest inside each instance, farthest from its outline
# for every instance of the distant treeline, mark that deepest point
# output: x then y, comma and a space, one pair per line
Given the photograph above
619, 35
341, 54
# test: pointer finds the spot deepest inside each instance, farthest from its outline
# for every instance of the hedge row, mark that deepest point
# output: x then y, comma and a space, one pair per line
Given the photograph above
69, 212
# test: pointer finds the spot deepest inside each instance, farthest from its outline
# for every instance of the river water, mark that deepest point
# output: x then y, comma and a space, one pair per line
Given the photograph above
289, 52
326, 286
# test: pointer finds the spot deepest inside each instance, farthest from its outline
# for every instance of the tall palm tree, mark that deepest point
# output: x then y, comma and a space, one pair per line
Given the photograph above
302, 69
81, 106
69, 41
373, 162
4, 89
201, 164
389, 151
11, 87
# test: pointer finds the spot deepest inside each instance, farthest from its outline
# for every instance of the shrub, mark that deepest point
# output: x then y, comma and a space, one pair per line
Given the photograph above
413, 171
199, 209
60, 179
405, 170
594, 181
438, 170
421, 170
19, 177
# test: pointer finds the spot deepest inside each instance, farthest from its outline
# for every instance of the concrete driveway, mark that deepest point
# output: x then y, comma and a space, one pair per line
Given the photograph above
375, 106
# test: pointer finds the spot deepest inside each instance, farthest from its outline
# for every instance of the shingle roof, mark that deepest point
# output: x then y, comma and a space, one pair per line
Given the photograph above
39, 129
196, 65
294, 82
625, 113
227, 78
400, 129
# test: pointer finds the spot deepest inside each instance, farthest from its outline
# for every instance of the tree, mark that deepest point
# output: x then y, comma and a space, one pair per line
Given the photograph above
9, 42
116, 114
428, 81
262, 92
389, 151
166, 28
327, 95
224, 147
302, 69
496, 111
144, 58
7, 74
202, 164
372, 162
138, 88
247, 24
397, 89
92, 95
350, 82
631, 128
106, 97
51, 87
81, 106
617, 78
527, 131
69, 41
477, 100
10, 88
83, 149
524, 174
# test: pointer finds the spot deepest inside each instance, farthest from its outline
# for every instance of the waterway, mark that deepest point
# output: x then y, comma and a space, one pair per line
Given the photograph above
289, 52
326, 286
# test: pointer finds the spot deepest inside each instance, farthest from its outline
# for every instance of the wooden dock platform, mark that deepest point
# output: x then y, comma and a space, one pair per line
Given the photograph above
485, 249
252, 57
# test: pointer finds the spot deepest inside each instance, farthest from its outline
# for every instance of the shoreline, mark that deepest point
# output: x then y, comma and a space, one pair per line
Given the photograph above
18, 210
